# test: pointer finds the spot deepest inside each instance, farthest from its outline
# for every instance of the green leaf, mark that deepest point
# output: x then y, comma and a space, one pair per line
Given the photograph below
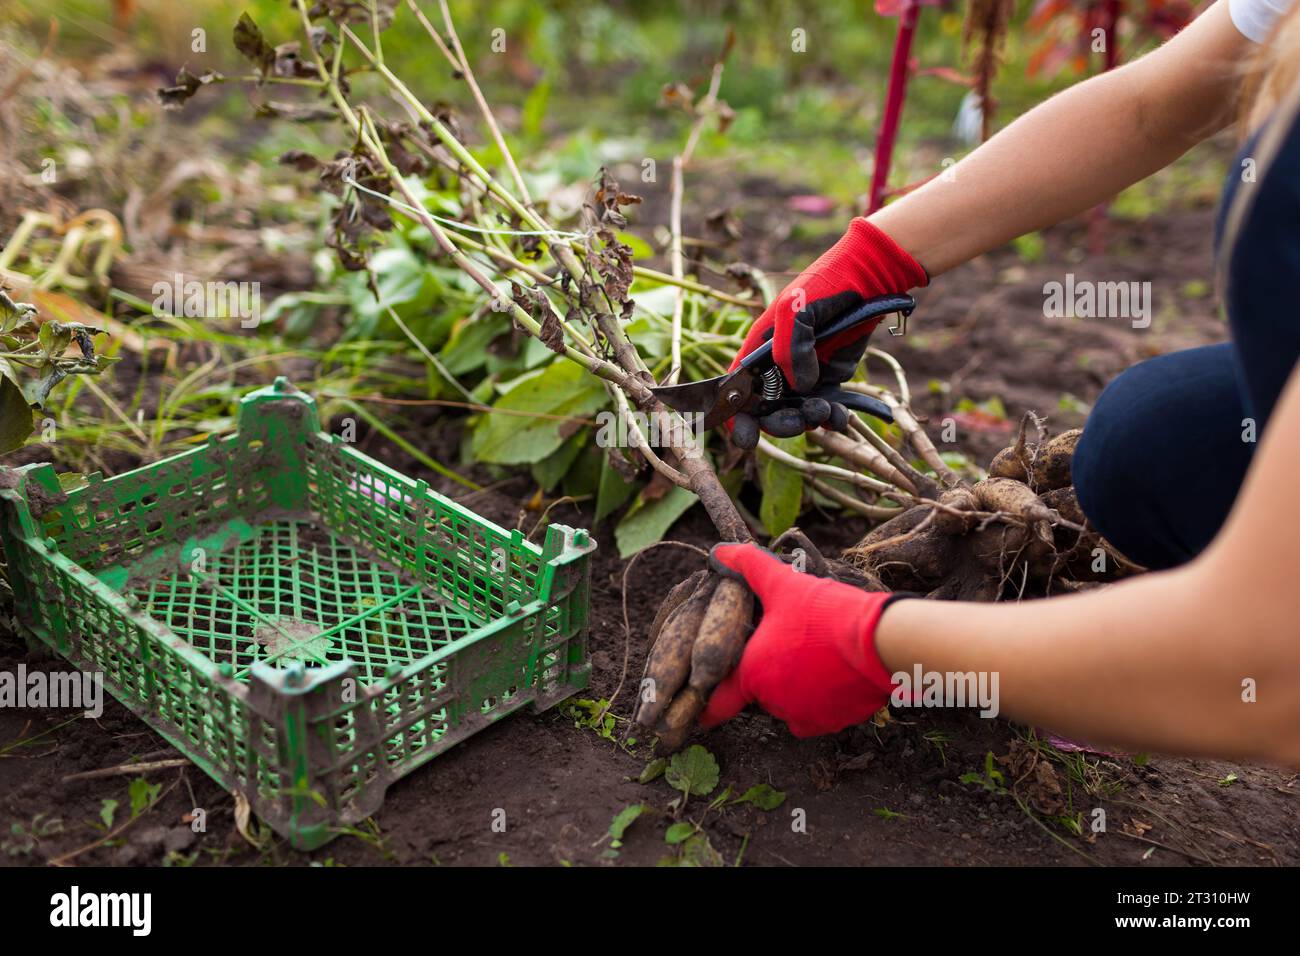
654, 298
612, 490
698, 851
583, 478
555, 466
782, 488
37, 390
650, 338
561, 389
107, 811
16, 421
142, 793
653, 770
679, 832
415, 290
763, 796
1029, 247
624, 819
54, 337
693, 771
646, 522
15, 315
466, 349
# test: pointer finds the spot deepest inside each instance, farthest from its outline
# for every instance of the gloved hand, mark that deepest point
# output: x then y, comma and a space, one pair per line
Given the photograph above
863, 264
812, 661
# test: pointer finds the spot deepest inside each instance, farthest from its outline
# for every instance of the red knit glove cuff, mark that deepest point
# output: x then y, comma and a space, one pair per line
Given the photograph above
828, 616
881, 265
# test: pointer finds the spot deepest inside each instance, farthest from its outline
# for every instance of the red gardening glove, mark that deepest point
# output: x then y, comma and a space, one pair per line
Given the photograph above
812, 662
865, 263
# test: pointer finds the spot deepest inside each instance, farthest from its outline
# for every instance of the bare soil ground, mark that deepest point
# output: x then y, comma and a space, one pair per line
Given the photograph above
870, 795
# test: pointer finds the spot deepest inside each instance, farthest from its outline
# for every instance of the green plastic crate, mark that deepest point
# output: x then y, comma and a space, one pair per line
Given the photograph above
304, 623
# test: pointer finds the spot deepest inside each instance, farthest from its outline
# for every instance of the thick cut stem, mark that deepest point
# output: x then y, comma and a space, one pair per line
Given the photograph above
721, 509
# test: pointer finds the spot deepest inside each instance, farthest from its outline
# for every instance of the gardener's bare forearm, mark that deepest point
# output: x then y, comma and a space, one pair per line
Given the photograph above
1159, 662
1138, 665
1077, 149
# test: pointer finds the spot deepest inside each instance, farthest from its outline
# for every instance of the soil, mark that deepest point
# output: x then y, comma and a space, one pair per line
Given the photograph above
891, 794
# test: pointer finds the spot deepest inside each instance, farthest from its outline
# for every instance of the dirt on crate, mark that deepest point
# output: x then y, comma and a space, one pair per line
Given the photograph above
915, 790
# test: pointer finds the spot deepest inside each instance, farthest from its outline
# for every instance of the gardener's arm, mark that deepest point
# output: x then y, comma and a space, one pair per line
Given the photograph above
1075, 150
1157, 662
1078, 148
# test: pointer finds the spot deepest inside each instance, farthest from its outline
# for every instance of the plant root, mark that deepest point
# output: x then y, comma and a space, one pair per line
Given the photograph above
669, 665
1018, 533
699, 644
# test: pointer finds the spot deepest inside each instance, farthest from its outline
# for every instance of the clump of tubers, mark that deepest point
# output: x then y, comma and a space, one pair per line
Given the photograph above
699, 634
1019, 532
699, 644
669, 664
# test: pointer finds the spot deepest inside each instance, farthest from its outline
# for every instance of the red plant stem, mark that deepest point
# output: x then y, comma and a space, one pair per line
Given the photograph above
1110, 21
1110, 13
899, 69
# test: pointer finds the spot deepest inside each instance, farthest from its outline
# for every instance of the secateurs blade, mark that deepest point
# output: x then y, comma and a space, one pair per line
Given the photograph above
758, 387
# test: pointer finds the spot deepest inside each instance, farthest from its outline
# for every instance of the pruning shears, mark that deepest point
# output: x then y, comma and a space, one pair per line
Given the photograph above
758, 387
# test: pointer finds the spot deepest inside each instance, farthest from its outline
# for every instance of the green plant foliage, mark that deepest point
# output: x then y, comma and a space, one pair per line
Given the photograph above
34, 362
679, 832
695, 850
142, 793
107, 812
624, 819
647, 521
546, 402
991, 779
653, 770
782, 487
613, 490
762, 795
694, 771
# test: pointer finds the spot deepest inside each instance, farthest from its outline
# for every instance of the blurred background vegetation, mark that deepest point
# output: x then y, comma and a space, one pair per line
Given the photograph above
578, 86
582, 81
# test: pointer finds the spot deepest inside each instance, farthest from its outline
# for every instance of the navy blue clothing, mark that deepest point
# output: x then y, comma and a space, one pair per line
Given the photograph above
1162, 455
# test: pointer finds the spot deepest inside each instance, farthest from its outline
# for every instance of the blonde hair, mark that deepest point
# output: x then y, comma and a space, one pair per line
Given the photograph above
1273, 72
1272, 89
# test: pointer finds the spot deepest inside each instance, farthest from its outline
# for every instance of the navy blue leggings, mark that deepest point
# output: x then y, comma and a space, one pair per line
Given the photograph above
1166, 447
